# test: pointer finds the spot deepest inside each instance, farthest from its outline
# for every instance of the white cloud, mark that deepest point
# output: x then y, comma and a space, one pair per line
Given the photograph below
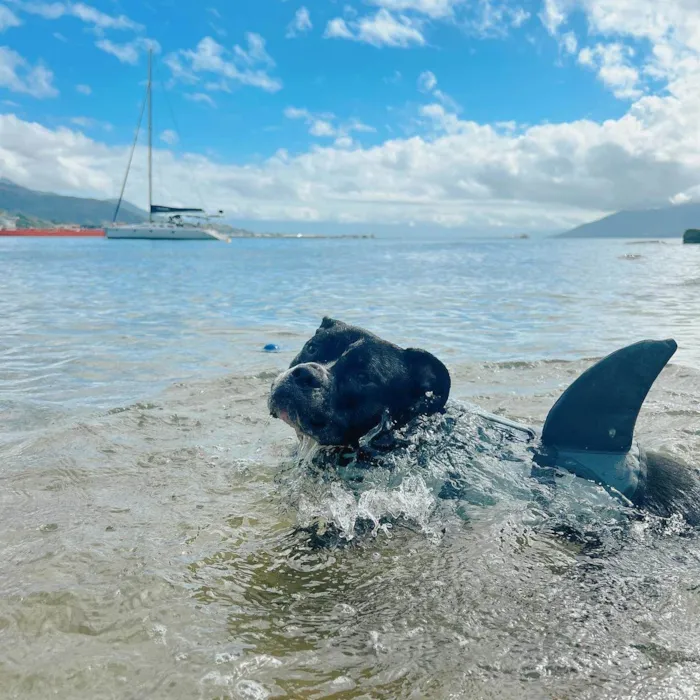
248, 66
18, 75
381, 29
79, 10
90, 123
343, 142
126, 53
255, 53
427, 81
60, 37
670, 28
8, 18
296, 113
460, 173
446, 100
169, 136
200, 97
300, 24
84, 89
441, 120
130, 51
569, 42
83, 122
323, 125
542, 177
338, 29
495, 20
483, 18
178, 70
612, 63
436, 9
356, 125
553, 14
518, 17
90, 15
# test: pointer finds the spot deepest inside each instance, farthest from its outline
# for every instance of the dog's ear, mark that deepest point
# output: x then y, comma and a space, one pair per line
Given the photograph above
329, 322
431, 381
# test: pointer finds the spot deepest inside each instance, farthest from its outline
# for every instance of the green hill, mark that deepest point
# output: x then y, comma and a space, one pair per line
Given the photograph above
58, 209
663, 222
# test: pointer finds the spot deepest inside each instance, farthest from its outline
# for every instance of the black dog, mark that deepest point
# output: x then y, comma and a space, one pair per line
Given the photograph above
347, 382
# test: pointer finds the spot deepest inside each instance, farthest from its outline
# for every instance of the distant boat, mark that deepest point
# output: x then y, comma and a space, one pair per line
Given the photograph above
172, 226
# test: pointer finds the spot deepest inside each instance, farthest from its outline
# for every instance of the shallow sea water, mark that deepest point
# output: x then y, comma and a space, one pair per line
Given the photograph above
149, 508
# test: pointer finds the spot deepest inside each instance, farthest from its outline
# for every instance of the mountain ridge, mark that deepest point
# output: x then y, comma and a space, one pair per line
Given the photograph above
661, 222
60, 209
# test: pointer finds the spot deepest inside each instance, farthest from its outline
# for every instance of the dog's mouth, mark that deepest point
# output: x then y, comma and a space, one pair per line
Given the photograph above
287, 415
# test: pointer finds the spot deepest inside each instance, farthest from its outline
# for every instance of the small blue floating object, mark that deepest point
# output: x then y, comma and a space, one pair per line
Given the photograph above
271, 347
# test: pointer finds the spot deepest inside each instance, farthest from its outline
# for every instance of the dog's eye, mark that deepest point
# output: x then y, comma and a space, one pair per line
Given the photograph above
311, 349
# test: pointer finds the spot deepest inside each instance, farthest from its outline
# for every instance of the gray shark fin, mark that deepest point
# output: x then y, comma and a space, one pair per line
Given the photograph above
599, 410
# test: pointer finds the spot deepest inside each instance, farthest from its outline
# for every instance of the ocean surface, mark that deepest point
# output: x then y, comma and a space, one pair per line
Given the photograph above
150, 508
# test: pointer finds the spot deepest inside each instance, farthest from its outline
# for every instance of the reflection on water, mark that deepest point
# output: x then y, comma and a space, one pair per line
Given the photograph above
93, 321
151, 543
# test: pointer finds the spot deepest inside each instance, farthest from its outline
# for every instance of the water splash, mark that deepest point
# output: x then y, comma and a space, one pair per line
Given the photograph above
455, 465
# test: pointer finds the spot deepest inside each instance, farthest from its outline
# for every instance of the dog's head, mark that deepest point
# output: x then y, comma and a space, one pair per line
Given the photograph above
345, 379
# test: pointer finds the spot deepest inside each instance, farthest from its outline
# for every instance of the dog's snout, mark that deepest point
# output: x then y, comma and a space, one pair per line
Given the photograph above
309, 375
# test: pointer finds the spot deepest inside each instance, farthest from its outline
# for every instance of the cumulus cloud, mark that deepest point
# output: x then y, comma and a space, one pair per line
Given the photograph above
612, 62
459, 172
247, 66
338, 29
427, 81
380, 29
491, 19
403, 23
129, 52
437, 9
462, 173
327, 125
90, 123
569, 42
169, 136
200, 97
666, 38
300, 24
553, 14
79, 10
8, 18
320, 127
18, 75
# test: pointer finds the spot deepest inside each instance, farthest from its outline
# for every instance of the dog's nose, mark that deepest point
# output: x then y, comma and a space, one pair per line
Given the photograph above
309, 375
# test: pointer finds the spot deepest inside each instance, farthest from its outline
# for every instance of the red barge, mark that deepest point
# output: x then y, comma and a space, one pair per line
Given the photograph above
54, 232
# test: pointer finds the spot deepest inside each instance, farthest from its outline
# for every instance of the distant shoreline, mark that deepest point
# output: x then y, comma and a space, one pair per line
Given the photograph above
100, 233
354, 236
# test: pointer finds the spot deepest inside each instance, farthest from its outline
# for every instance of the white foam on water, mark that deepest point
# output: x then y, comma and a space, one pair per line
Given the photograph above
405, 486
411, 500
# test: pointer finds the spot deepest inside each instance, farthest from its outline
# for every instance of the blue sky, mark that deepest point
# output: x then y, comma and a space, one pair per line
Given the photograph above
462, 114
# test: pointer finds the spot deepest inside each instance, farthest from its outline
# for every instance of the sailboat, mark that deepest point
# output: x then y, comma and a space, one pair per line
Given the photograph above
164, 223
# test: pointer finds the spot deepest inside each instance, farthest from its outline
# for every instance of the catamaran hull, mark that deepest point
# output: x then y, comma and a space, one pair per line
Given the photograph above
158, 233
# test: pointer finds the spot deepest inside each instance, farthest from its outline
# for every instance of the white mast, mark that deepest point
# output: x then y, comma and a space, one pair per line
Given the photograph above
150, 135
